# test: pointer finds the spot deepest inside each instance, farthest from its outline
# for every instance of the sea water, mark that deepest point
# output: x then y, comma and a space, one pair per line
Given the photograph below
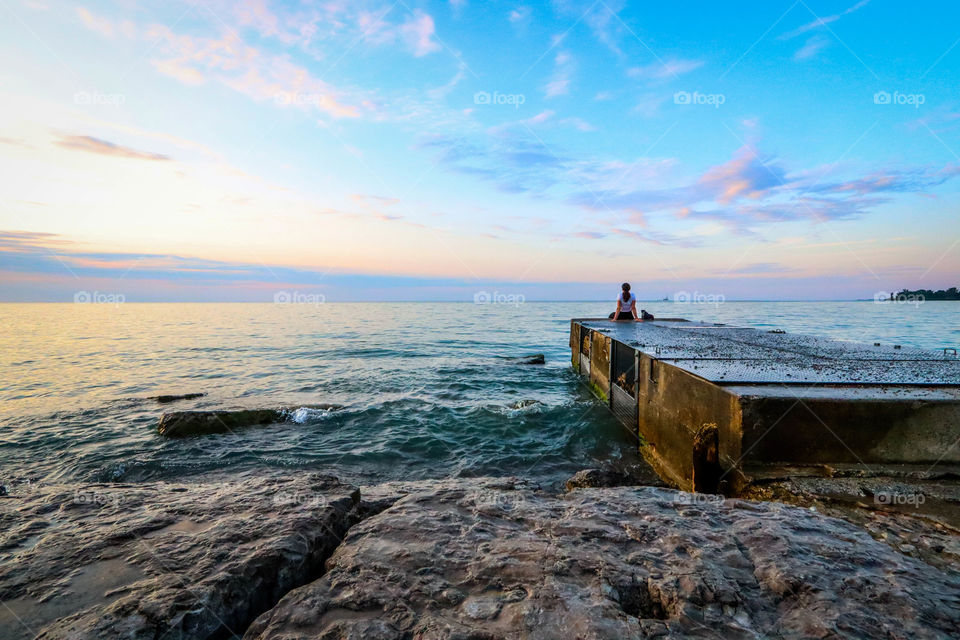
428, 390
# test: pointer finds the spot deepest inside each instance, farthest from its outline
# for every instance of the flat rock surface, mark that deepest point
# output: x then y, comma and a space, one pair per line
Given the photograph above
163, 560
457, 561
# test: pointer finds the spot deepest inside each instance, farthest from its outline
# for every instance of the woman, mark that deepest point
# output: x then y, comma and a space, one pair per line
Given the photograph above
626, 305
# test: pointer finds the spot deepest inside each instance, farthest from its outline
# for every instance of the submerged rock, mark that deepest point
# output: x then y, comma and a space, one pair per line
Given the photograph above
192, 423
173, 398
537, 358
525, 404
163, 560
455, 561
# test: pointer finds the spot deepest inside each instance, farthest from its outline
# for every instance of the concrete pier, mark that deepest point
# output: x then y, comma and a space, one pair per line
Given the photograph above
718, 406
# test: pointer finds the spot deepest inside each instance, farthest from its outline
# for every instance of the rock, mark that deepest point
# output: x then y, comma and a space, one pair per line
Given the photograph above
594, 478
192, 423
376, 498
174, 398
537, 358
631, 476
163, 560
897, 509
527, 403
455, 561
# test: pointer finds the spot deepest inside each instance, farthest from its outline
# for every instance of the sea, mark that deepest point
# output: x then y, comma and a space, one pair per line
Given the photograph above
429, 390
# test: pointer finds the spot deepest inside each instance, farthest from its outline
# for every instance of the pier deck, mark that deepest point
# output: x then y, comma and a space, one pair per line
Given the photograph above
716, 404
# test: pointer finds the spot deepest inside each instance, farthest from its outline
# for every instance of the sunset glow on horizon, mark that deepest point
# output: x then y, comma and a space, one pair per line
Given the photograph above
222, 151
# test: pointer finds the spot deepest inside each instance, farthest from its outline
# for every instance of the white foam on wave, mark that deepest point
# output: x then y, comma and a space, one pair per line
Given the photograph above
303, 415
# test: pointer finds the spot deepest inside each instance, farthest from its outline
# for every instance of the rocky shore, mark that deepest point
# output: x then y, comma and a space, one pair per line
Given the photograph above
298, 555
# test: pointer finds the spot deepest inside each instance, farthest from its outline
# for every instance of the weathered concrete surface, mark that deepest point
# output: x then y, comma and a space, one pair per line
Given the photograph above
768, 397
457, 562
163, 560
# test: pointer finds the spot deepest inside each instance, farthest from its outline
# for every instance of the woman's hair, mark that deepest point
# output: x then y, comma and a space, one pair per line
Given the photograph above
626, 291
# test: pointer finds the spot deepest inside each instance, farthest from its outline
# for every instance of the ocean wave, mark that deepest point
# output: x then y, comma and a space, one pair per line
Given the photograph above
305, 415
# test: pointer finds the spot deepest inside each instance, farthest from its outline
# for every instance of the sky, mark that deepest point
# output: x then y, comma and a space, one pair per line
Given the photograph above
355, 150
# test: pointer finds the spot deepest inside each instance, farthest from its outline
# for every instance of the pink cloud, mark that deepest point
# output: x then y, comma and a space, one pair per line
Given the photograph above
418, 32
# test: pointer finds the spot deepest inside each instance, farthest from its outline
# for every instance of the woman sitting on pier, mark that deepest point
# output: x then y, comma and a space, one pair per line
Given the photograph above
626, 305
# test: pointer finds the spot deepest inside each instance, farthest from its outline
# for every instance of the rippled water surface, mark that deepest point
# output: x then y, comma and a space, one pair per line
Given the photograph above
429, 389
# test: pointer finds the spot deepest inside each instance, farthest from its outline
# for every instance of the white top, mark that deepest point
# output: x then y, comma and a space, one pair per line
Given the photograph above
625, 306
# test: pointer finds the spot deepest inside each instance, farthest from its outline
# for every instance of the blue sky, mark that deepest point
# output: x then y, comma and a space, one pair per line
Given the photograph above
219, 150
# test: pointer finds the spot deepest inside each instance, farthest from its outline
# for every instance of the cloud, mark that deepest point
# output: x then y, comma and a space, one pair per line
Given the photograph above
442, 91
247, 70
811, 48
589, 235
105, 148
669, 68
512, 159
605, 23
824, 21
418, 33
559, 84
378, 200
179, 70
942, 119
578, 124
228, 58
655, 238
520, 16
49, 254
751, 190
102, 26
762, 267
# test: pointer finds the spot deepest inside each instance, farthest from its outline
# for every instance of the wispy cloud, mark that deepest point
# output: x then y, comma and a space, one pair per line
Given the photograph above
228, 58
762, 268
105, 148
520, 16
823, 21
812, 47
669, 68
559, 84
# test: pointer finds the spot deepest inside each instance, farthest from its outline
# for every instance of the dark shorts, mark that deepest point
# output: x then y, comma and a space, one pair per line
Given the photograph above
623, 316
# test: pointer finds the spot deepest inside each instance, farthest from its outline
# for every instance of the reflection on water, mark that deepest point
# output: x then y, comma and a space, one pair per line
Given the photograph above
429, 389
